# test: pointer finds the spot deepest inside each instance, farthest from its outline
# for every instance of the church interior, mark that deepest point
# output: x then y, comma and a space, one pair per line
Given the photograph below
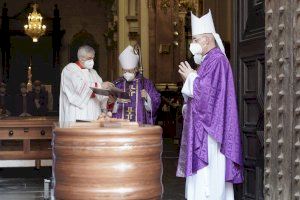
32, 60
31, 65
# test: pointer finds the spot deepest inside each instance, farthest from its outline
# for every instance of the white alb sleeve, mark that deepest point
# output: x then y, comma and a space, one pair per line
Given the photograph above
148, 103
188, 86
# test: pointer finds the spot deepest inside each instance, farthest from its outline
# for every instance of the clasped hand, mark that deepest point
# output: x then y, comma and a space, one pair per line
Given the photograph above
185, 69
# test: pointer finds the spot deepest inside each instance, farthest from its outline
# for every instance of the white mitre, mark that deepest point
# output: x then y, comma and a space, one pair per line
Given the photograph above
128, 59
205, 24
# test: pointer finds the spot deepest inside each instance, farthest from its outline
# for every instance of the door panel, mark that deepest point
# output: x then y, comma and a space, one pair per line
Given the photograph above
249, 69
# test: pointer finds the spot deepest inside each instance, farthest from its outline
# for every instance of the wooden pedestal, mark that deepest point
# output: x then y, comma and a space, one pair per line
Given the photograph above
107, 163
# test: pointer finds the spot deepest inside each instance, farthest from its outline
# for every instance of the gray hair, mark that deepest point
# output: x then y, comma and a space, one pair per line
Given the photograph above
84, 50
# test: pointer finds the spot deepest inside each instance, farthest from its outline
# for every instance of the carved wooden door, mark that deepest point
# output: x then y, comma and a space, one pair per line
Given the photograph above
249, 70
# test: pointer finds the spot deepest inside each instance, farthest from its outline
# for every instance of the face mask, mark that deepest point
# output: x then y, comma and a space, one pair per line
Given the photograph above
129, 76
195, 48
23, 90
37, 90
89, 64
198, 58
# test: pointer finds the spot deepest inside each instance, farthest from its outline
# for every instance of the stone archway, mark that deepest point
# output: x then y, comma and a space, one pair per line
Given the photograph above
83, 38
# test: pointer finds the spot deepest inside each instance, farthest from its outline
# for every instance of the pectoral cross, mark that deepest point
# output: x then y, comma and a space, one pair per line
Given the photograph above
130, 111
131, 90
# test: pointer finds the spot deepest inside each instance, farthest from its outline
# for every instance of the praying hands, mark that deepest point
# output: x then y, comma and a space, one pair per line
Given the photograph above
185, 69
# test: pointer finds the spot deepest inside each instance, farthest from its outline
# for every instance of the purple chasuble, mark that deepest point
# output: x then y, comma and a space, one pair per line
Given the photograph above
135, 111
213, 111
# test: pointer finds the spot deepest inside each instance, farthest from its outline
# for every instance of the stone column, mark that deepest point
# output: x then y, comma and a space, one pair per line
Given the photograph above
144, 35
134, 27
123, 27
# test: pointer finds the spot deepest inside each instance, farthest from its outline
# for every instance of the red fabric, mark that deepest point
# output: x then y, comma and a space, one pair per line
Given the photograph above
79, 64
93, 94
110, 106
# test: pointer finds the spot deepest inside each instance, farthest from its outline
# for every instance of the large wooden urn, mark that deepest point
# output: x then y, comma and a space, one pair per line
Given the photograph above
111, 163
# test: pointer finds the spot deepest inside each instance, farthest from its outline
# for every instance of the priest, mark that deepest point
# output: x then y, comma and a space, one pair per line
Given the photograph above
24, 102
5, 100
144, 98
210, 153
77, 101
40, 99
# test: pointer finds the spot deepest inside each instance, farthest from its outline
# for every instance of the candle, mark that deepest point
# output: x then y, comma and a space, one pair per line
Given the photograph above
29, 83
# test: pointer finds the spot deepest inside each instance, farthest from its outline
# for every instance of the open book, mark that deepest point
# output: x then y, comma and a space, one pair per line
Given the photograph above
122, 97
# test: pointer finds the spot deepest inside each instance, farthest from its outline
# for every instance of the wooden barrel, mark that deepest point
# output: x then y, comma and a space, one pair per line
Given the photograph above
107, 163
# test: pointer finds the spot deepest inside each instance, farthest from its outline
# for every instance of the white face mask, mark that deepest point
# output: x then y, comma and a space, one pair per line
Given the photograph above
196, 48
23, 90
129, 76
88, 64
198, 58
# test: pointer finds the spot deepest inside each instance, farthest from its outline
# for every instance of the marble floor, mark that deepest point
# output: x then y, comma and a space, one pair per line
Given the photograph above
28, 183
23, 183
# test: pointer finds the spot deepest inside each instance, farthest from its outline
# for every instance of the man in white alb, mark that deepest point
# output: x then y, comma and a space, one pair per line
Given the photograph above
77, 101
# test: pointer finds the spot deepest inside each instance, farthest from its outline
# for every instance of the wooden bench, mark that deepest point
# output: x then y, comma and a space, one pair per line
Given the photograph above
26, 141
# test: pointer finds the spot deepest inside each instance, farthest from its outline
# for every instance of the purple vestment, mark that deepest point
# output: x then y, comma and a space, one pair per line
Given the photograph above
135, 111
212, 110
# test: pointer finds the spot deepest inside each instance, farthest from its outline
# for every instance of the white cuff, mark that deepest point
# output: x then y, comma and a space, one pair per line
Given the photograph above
188, 86
183, 110
185, 98
148, 103
116, 106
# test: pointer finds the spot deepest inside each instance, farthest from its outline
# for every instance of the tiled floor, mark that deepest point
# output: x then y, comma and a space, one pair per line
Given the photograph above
173, 186
27, 183
20, 188
22, 183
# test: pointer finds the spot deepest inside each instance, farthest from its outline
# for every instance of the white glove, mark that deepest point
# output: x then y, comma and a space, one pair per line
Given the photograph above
185, 69
183, 110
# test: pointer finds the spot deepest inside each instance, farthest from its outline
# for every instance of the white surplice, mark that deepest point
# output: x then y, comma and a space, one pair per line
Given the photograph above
75, 102
209, 182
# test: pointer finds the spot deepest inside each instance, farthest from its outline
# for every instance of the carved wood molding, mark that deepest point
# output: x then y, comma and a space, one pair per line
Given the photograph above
165, 5
166, 86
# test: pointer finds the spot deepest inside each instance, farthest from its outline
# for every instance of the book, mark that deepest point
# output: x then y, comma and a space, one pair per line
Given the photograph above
118, 94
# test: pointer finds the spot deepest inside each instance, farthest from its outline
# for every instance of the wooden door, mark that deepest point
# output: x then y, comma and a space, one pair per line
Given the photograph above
248, 63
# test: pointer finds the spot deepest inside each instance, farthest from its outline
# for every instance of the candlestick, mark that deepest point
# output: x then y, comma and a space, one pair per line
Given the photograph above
29, 75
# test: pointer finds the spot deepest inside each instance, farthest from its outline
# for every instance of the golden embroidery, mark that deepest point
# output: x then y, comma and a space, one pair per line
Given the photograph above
130, 113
